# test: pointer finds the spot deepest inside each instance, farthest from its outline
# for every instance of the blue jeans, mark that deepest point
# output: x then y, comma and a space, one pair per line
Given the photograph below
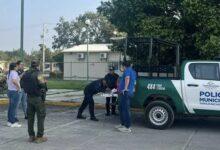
13, 103
23, 101
124, 109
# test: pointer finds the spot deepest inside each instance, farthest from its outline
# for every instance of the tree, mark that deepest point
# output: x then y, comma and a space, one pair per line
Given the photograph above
48, 53
58, 57
15, 55
38, 54
75, 32
3, 56
194, 24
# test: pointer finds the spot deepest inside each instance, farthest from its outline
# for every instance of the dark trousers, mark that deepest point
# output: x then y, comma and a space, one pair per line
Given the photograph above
124, 108
109, 105
13, 103
88, 100
36, 106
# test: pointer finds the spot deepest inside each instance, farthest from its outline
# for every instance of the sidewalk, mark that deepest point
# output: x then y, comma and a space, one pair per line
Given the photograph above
57, 95
63, 95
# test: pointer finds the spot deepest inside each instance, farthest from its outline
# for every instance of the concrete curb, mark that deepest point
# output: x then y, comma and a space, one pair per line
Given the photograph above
60, 103
68, 104
4, 101
72, 104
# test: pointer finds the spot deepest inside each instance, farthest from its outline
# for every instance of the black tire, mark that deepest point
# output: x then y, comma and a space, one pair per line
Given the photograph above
159, 115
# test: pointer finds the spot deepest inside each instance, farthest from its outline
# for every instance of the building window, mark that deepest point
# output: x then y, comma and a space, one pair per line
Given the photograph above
103, 56
81, 56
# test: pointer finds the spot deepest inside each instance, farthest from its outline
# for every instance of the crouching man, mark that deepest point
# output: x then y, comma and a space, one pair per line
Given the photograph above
35, 86
90, 90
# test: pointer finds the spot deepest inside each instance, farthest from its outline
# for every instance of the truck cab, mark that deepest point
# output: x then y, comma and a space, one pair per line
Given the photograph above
195, 92
201, 87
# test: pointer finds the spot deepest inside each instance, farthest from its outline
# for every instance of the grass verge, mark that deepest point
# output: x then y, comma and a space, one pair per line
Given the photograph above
66, 84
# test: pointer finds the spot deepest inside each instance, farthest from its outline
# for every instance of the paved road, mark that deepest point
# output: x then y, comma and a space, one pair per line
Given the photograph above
55, 95
67, 133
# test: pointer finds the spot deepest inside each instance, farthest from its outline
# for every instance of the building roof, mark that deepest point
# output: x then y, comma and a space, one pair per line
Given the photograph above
92, 48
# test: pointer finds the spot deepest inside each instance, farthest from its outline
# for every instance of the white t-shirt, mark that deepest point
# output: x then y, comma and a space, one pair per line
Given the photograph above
12, 76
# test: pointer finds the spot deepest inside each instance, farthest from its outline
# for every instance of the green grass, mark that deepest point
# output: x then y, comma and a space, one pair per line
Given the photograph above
64, 84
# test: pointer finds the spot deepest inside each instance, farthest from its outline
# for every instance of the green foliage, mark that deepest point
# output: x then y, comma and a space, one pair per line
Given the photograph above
48, 53
13, 56
50, 56
38, 55
195, 24
64, 84
58, 56
56, 75
3, 56
70, 33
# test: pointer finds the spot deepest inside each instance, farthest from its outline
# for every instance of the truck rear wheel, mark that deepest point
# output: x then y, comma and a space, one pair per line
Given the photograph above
159, 115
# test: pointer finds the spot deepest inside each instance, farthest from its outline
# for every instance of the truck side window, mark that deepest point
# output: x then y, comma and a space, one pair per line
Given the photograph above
205, 71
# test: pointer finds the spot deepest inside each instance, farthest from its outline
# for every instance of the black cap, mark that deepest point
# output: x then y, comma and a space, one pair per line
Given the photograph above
12, 66
18, 62
126, 64
34, 64
111, 68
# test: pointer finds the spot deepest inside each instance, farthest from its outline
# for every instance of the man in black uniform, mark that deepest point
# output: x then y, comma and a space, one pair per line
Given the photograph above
35, 86
91, 89
112, 80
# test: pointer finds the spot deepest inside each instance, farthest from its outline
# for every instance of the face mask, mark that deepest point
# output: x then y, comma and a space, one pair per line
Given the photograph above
122, 69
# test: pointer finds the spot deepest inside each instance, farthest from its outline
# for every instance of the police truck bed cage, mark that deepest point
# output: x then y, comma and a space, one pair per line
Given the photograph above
154, 57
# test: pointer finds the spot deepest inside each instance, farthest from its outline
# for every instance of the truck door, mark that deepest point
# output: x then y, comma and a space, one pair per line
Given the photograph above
202, 86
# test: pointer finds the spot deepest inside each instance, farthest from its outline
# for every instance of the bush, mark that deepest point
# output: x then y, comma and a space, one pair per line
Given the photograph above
56, 75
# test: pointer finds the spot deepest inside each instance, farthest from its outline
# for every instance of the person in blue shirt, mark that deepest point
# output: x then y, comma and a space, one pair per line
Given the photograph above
126, 90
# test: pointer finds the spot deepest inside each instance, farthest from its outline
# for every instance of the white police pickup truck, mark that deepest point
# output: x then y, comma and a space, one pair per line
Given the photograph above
195, 92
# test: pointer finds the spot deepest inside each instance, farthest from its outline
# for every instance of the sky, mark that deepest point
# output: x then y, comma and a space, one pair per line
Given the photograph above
37, 13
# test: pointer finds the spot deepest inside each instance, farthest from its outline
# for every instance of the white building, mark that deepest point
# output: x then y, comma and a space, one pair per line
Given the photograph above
100, 58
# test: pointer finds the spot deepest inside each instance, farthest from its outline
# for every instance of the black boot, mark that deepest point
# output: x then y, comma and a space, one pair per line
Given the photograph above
113, 106
107, 106
81, 109
94, 119
80, 117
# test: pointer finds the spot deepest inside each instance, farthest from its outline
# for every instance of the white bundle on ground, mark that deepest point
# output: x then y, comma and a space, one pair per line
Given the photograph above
112, 93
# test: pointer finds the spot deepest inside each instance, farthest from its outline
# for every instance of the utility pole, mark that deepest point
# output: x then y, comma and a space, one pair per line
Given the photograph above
22, 32
88, 23
87, 57
43, 48
125, 49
